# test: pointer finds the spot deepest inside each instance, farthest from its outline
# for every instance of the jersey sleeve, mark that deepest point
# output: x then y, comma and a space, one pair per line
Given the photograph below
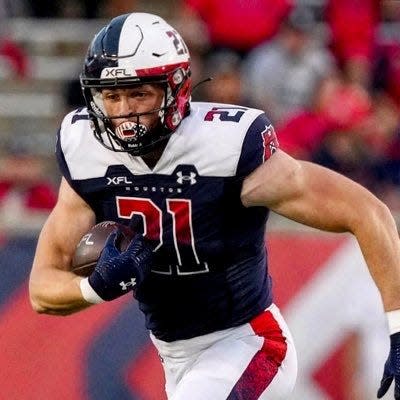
62, 163
64, 134
259, 144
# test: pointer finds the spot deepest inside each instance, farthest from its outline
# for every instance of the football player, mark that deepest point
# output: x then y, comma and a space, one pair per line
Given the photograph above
198, 179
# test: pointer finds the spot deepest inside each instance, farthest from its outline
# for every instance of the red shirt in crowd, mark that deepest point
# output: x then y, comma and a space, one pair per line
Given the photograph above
38, 197
16, 57
240, 24
352, 26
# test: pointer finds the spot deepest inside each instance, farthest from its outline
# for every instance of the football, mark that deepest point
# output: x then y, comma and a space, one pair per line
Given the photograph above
91, 244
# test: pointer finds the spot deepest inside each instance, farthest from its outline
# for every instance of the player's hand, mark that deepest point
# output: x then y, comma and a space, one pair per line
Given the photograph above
118, 272
392, 368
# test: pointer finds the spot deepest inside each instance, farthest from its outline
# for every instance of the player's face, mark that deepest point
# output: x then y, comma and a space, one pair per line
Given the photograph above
127, 101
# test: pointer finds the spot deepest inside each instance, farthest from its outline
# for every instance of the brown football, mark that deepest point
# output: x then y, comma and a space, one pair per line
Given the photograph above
91, 244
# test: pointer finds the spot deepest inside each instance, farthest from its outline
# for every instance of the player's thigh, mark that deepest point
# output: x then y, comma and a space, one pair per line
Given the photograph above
225, 378
216, 371
241, 368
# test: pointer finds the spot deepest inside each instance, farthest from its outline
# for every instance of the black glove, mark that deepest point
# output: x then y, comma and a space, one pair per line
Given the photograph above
392, 368
118, 272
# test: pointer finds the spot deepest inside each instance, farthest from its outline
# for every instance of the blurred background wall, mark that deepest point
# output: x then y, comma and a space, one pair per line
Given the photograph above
327, 72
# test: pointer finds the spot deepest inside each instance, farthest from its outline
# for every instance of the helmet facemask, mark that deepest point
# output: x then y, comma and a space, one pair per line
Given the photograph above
132, 135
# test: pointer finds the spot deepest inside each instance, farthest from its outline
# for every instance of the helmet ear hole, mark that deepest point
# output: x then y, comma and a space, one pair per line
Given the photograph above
176, 118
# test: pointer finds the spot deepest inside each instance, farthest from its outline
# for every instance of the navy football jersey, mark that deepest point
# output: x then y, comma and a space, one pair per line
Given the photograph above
210, 265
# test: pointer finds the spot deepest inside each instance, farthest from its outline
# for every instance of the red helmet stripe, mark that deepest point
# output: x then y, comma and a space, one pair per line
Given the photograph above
161, 70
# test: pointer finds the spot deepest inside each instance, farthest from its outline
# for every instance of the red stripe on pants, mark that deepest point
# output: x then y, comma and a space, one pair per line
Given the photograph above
264, 365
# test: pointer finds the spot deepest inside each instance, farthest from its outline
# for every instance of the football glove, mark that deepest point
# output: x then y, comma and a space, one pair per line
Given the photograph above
119, 272
392, 368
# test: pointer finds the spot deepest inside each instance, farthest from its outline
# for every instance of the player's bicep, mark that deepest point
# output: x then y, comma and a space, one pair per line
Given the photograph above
307, 193
69, 220
275, 183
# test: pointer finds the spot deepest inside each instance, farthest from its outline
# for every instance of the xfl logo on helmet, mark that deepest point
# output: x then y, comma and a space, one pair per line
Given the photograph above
115, 73
190, 178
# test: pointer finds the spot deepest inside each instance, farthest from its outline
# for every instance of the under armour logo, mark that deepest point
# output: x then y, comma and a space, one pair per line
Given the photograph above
127, 284
191, 178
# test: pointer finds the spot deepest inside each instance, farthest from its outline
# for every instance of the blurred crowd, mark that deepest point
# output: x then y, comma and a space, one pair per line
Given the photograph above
28, 180
326, 72
328, 76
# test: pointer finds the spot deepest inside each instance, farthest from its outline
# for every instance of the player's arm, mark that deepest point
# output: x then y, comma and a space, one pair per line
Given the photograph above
320, 198
53, 288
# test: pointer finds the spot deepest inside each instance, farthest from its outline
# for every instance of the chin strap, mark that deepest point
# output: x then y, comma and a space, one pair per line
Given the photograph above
209, 79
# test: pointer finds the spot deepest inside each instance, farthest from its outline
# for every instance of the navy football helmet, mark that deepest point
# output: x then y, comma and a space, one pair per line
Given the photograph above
135, 49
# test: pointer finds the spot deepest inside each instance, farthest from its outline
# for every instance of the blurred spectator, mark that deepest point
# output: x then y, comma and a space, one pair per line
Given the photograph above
386, 71
303, 133
231, 24
335, 106
344, 104
353, 26
363, 142
26, 193
283, 74
386, 77
26, 196
351, 132
14, 61
226, 85
387, 165
23, 175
